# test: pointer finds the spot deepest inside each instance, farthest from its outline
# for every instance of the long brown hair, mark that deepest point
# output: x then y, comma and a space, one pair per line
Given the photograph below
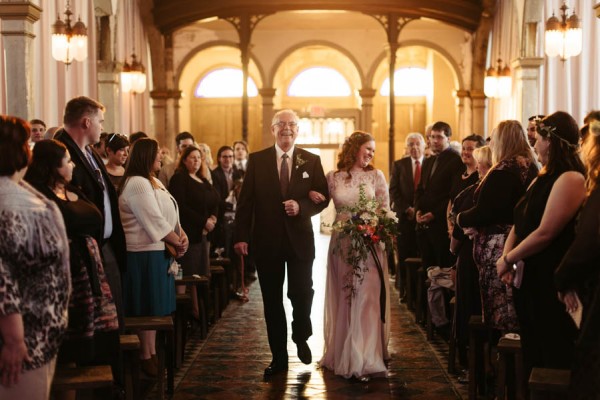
561, 130
350, 149
140, 161
510, 141
591, 156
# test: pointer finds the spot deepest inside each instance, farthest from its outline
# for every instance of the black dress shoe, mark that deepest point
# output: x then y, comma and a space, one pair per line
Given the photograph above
304, 353
276, 367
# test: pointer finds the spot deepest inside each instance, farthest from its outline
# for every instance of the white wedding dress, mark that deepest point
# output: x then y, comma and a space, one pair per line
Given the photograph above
355, 337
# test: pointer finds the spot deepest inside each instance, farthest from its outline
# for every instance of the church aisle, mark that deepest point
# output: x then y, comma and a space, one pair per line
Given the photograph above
230, 363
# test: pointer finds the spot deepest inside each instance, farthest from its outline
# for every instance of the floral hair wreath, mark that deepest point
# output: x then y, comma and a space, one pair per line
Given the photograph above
549, 130
595, 127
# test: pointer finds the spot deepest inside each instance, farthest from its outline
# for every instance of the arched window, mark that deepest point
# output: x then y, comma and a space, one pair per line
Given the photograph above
224, 82
409, 82
319, 82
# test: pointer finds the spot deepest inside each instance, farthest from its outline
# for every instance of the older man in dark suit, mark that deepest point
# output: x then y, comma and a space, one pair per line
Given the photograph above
406, 174
274, 214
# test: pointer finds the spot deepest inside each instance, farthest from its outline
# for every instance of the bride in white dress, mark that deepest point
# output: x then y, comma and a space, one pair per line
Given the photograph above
356, 339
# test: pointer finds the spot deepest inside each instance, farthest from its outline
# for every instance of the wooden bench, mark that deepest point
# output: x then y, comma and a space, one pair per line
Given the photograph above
421, 306
182, 316
164, 346
478, 334
510, 379
231, 277
201, 284
452, 339
219, 287
82, 380
412, 266
549, 384
130, 347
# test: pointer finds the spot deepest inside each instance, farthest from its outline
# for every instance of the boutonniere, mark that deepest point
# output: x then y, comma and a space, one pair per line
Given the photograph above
299, 161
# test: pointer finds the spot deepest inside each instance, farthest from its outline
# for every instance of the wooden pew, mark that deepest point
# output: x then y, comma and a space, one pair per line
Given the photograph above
182, 316
549, 384
478, 334
83, 380
201, 284
219, 287
510, 379
412, 266
164, 346
130, 347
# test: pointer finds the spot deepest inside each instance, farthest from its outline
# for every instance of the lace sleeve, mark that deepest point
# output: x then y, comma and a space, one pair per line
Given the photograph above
382, 193
330, 181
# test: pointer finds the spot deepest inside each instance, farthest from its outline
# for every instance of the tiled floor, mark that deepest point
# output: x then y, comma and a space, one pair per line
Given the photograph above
230, 363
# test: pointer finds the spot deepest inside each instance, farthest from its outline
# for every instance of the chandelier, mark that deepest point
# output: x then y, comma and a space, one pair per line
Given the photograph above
69, 42
498, 81
133, 76
563, 37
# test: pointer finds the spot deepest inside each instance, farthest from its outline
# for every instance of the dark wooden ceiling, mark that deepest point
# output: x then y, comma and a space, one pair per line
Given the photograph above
170, 15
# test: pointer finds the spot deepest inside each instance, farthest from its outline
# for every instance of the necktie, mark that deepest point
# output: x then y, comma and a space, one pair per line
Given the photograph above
284, 175
90, 159
417, 176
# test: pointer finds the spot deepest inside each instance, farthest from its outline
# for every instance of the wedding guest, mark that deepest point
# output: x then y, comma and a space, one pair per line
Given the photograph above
150, 219
241, 151
467, 295
207, 161
92, 335
182, 140
543, 231
134, 137
578, 274
117, 149
34, 254
223, 182
532, 123
491, 218
38, 130
198, 205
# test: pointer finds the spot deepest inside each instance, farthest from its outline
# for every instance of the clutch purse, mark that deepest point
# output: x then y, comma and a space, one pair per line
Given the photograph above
170, 250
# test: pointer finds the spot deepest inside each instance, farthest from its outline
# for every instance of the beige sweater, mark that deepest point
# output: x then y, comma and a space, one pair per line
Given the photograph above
147, 214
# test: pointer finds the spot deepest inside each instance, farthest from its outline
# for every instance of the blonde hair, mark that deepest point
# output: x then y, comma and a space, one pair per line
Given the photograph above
509, 140
483, 155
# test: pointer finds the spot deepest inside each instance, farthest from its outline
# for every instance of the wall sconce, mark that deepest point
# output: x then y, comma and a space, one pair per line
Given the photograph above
69, 43
133, 76
498, 81
563, 37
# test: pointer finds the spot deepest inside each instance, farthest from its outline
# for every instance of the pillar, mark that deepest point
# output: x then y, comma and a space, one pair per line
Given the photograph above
478, 107
165, 106
366, 116
108, 77
16, 30
267, 95
393, 47
463, 104
527, 79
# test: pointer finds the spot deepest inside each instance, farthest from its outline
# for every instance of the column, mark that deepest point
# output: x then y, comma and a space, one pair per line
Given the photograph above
478, 107
16, 30
366, 116
267, 95
165, 104
393, 46
527, 79
108, 77
245, 32
463, 127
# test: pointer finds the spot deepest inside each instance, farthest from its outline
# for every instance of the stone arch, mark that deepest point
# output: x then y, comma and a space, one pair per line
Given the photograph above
216, 43
279, 61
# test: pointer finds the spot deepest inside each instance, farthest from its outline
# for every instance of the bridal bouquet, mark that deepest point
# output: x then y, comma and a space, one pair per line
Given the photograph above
365, 225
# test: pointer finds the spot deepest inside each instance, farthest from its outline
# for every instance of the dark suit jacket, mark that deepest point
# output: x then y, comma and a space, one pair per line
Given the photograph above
402, 187
261, 219
433, 192
84, 178
220, 182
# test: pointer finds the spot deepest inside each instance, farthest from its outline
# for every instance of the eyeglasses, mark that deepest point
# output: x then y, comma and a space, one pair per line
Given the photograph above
282, 124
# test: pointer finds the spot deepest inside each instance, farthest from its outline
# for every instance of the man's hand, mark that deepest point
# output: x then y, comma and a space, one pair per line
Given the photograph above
410, 213
292, 208
241, 248
316, 197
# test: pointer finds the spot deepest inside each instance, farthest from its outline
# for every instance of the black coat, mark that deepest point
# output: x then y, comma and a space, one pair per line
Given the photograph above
261, 219
402, 187
85, 179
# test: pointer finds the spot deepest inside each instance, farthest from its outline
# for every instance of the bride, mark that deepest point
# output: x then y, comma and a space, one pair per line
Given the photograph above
356, 339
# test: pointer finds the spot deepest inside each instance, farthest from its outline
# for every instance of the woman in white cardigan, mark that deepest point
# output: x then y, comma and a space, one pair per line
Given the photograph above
149, 217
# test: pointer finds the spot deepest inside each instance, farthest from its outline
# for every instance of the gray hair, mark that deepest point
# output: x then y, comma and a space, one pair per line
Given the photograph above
284, 111
415, 135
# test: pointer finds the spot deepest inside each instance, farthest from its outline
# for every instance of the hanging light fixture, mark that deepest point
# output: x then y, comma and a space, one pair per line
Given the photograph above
133, 76
69, 43
564, 37
498, 81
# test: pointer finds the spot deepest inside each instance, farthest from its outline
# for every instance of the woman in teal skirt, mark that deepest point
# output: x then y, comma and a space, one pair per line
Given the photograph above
149, 216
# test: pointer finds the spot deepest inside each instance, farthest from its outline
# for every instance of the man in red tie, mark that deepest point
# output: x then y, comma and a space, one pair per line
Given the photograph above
406, 174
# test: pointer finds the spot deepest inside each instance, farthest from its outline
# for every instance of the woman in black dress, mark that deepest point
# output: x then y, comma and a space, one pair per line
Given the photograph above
198, 209
92, 334
578, 275
117, 150
543, 231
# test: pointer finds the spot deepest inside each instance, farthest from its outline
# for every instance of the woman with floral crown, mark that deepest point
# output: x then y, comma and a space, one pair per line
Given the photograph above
357, 306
